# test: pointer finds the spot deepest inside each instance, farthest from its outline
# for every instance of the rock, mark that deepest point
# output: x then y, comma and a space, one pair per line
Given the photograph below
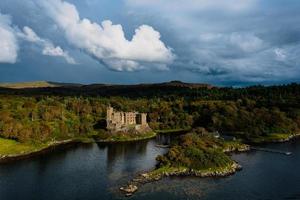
128, 195
130, 189
145, 175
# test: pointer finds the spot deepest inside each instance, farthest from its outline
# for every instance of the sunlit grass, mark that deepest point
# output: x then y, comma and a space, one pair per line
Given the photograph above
12, 147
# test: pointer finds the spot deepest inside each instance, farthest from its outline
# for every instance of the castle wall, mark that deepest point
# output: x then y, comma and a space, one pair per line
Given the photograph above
122, 120
109, 113
130, 118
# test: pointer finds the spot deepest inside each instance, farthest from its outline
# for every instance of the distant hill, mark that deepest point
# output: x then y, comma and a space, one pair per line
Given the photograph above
47, 84
184, 85
105, 90
36, 84
170, 90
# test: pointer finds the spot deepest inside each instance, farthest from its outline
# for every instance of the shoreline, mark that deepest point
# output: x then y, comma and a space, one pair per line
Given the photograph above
48, 148
157, 174
126, 140
282, 140
291, 137
160, 173
57, 144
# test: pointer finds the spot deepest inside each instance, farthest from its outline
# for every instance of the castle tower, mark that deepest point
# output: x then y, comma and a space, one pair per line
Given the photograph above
144, 119
109, 113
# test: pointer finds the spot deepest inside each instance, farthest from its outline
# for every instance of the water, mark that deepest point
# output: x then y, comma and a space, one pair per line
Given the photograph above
97, 171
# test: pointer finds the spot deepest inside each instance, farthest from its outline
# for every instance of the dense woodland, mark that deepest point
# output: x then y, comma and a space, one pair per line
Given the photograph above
44, 114
196, 152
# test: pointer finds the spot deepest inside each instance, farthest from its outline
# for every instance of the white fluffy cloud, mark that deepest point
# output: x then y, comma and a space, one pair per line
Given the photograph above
49, 48
106, 41
8, 42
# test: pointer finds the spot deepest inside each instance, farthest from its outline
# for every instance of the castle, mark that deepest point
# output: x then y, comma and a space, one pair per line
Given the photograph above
124, 121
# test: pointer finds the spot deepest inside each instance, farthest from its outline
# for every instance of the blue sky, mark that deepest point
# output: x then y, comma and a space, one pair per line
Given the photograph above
222, 42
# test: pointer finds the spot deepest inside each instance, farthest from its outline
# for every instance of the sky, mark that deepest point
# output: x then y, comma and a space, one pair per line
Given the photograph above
221, 42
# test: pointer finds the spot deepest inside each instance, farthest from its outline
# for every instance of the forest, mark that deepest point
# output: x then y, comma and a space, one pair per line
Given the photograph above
53, 114
194, 151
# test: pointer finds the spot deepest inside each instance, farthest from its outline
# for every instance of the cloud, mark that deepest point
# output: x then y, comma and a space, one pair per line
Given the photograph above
231, 41
280, 54
228, 40
247, 42
106, 41
49, 48
29, 35
8, 42
196, 5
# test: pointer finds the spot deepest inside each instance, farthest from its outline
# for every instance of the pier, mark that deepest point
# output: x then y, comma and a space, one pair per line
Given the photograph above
287, 153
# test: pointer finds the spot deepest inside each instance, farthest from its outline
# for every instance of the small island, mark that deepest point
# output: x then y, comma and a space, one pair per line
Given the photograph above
197, 153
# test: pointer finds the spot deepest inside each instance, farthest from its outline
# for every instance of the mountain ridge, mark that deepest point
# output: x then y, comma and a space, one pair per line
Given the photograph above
51, 84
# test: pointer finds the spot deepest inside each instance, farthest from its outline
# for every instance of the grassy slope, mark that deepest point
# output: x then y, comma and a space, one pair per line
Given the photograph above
35, 84
11, 147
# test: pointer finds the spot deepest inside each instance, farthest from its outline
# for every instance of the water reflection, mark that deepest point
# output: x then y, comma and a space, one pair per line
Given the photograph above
163, 139
125, 152
96, 171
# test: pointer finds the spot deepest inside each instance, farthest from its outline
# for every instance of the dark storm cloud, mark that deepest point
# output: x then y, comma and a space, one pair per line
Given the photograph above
221, 41
257, 42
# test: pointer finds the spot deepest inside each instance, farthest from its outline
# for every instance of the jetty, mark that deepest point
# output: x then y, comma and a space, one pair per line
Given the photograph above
287, 153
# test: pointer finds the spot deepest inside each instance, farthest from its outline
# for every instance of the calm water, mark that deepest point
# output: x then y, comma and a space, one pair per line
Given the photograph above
97, 171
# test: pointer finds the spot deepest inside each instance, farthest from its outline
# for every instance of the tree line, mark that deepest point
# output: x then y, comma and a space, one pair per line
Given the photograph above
249, 112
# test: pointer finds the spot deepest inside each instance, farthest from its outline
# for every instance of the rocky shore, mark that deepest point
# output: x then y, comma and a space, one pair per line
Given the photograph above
237, 149
291, 137
158, 174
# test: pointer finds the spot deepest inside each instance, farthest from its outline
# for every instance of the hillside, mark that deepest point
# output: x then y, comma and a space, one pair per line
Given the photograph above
44, 84
69, 89
35, 84
254, 114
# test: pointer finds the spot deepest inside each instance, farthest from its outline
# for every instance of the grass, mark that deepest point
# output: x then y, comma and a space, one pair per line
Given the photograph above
274, 137
237, 145
165, 169
12, 147
169, 169
35, 84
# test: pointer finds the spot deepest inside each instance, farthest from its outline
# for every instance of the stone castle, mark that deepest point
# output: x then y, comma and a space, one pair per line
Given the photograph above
124, 121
